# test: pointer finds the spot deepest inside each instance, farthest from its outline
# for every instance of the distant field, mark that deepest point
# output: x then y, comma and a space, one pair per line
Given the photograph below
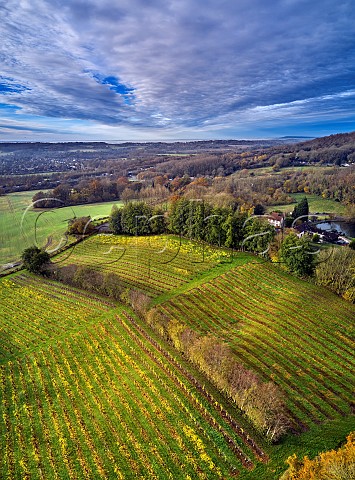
86, 392
316, 204
20, 228
257, 172
300, 336
154, 264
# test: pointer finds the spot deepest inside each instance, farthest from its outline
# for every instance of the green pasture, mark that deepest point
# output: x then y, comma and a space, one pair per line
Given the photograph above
22, 226
316, 204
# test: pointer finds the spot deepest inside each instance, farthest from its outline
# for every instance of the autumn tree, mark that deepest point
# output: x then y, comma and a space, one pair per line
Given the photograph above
80, 226
262, 403
331, 465
336, 270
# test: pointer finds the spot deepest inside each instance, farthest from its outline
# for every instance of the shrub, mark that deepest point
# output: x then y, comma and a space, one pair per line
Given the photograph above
34, 259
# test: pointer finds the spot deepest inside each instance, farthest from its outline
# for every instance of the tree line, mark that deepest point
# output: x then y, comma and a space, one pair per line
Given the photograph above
221, 226
198, 220
234, 228
262, 402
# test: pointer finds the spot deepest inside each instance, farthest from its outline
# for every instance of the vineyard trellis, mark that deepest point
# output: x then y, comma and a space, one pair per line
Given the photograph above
317, 371
90, 394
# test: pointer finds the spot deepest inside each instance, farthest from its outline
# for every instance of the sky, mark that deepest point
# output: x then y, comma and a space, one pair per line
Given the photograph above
175, 69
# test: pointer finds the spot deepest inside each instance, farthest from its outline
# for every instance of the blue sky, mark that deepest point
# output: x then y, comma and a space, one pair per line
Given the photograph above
175, 69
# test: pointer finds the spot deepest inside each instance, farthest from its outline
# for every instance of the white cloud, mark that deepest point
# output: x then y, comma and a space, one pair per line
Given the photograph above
191, 63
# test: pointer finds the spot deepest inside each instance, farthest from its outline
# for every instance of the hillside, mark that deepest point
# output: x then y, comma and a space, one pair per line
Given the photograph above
276, 324
88, 388
153, 265
336, 140
88, 393
333, 149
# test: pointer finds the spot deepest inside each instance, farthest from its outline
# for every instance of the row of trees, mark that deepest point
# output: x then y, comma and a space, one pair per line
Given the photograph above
221, 226
262, 402
86, 190
88, 278
196, 220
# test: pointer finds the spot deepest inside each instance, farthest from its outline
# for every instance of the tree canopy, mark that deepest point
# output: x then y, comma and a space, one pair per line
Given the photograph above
332, 465
34, 259
296, 253
137, 218
301, 209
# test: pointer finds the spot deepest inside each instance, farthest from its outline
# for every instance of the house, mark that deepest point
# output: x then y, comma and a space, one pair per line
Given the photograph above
276, 219
343, 240
324, 235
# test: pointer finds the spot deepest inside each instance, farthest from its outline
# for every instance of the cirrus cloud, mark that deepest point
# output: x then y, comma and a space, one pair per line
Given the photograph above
179, 66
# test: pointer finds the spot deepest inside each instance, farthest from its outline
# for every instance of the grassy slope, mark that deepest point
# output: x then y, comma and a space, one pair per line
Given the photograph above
20, 229
274, 297
155, 264
316, 204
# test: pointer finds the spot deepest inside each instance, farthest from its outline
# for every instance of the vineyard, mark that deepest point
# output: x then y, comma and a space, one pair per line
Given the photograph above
32, 315
87, 392
154, 264
287, 330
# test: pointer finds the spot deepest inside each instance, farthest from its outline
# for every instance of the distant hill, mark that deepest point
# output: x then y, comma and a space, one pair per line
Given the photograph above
337, 140
338, 149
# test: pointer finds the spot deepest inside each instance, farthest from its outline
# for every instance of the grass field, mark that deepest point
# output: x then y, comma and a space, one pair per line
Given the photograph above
21, 228
316, 204
87, 393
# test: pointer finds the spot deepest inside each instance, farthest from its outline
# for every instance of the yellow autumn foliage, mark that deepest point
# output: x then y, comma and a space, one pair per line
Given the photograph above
331, 465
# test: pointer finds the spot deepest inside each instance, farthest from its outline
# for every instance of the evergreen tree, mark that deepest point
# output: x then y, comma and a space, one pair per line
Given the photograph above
234, 229
297, 255
115, 220
158, 221
214, 231
260, 233
196, 222
259, 209
179, 217
135, 218
301, 209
